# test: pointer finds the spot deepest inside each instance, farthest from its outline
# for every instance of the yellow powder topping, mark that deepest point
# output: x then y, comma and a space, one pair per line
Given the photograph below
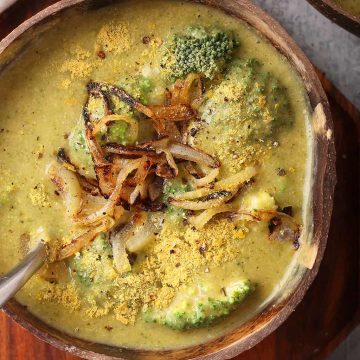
39, 197
97, 311
125, 314
114, 37
78, 65
64, 294
178, 254
152, 51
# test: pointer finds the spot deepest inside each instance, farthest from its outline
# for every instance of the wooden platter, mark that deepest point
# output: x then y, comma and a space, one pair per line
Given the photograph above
330, 308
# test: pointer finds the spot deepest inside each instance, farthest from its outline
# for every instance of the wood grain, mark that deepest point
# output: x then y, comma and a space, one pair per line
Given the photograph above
331, 306
18, 344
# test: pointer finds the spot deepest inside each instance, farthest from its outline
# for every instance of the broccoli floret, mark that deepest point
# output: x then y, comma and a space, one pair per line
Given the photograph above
79, 151
250, 99
173, 187
197, 50
198, 306
93, 265
118, 132
145, 87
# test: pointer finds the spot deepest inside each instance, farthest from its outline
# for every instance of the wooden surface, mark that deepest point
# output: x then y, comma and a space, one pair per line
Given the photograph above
329, 310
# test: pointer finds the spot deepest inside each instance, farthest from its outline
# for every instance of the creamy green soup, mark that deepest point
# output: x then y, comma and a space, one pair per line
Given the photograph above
160, 149
351, 6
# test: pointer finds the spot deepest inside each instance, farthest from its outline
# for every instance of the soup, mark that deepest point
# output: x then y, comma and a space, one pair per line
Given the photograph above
351, 6
164, 148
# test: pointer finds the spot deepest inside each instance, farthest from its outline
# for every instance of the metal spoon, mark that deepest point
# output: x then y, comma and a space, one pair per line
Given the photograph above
14, 280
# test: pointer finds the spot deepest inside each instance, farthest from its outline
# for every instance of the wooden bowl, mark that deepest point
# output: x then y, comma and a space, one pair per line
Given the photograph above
252, 332
338, 15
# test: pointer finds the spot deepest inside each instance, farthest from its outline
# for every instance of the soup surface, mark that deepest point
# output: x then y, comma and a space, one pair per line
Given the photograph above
160, 149
351, 6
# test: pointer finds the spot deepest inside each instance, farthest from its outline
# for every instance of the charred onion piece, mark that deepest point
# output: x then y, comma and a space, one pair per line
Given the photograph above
165, 171
134, 126
156, 150
68, 186
207, 179
140, 179
151, 206
181, 92
169, 129
122, 95
187, 96
186, 152
171, 163
94, 147
209, 201
148, 148
128, 150
178, 112
232, 183
108, 209
95, 93
84, 239
65, 160
90, 186
103, 168
281, 226
199, 221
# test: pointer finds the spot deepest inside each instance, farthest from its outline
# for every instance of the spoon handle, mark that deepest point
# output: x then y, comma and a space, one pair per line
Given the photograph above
13, 281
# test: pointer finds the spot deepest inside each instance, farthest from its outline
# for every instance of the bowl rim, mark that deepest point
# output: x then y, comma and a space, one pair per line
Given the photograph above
338, 15
220, 348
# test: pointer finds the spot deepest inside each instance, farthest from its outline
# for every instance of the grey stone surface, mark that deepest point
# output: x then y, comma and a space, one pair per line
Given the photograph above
331, 48
350, 349
337, 53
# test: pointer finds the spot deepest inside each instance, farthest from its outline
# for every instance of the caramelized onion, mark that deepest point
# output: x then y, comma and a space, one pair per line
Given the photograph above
90, 186
84, 239
178, 112
144, 228
207, 179
181, 92
186, 97
123, 96
65, 160
282, 226
120, 257
94, 147
139, 179
186, 152
232, 183
199, 221
68, 186
108, 209
216, 199
134, 236
128, 150
132, 132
